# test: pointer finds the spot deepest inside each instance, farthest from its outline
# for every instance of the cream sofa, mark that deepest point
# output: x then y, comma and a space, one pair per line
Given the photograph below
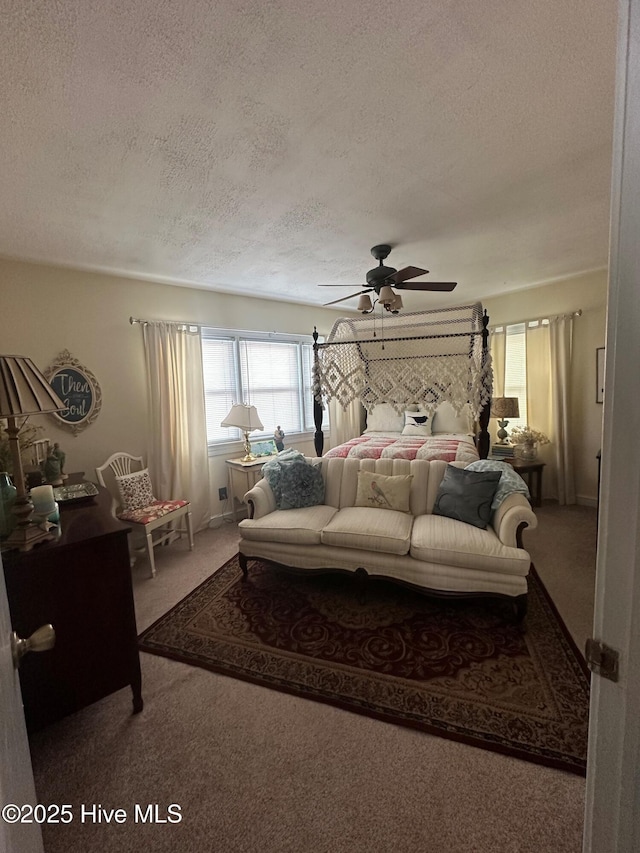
430, 552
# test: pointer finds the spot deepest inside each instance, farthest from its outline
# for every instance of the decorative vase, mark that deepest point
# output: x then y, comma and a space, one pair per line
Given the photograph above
8, 494
528, 451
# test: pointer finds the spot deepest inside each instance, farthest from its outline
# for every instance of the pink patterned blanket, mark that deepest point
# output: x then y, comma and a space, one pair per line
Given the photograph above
448, 448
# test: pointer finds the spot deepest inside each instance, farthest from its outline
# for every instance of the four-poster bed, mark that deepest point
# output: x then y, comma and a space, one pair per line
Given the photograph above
418, 361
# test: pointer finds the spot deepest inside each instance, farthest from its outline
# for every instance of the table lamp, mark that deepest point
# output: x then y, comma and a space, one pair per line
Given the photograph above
245, 418
24, 391
501, 408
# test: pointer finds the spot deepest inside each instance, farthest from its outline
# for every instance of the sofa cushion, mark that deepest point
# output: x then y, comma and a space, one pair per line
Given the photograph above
467, 495
298, 526
385, 530
510, 481
445, 541
295, 481
384, 492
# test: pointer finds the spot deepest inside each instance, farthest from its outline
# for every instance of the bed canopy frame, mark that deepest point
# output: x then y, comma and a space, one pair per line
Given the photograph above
423, 357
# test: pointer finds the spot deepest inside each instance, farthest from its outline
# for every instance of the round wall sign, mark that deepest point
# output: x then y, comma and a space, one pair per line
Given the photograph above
78, 389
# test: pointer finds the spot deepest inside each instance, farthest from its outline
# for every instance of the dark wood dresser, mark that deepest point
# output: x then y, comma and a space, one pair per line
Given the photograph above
81, 584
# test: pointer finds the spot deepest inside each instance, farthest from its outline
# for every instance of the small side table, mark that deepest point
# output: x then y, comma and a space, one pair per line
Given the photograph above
529, 467
242, 477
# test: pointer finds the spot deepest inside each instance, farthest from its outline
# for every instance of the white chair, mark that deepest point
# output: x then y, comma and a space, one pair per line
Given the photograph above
129, 484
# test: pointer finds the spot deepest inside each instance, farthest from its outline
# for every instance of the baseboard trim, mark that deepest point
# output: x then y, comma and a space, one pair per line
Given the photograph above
583, 500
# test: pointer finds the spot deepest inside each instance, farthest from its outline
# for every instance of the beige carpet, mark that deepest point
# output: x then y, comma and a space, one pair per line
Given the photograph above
258, 770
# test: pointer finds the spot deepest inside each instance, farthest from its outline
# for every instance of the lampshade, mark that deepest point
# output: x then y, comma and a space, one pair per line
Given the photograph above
505, 407
24, 390
364, 303
386, 295
396, 305
243, 417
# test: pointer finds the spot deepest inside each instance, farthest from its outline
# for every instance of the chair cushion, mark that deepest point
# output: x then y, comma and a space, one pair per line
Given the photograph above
445, 541
296, 526
385, 530
135, 489
152, 512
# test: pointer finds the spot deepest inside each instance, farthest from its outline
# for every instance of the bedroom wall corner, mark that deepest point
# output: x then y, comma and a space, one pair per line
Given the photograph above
588, 292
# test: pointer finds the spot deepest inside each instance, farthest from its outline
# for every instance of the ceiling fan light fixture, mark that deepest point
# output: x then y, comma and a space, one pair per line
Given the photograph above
386, 295
364, 303
396, 305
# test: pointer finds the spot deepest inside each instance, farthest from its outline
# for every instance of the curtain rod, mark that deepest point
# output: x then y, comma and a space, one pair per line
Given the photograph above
576, 313
137, 321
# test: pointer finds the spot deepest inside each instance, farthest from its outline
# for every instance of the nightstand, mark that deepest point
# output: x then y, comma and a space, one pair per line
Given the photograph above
243, 476
530, 467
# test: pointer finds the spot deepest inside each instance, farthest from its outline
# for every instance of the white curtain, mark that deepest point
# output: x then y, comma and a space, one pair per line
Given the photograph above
178, 459
344, 424
548, 396
561, 346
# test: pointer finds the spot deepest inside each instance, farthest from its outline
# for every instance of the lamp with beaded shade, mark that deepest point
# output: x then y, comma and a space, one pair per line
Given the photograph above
503, 408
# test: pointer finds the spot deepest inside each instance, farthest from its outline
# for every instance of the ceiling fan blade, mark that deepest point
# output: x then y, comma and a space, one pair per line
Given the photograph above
359, 293
342, 285
441, 286
404, 274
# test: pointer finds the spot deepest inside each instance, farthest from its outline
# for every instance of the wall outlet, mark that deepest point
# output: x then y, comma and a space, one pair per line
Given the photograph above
222, 494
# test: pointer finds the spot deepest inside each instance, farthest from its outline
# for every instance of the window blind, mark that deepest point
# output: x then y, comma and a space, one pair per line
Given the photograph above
271, 372
515, 373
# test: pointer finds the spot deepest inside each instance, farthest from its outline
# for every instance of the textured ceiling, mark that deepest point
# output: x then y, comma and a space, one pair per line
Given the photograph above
263, 148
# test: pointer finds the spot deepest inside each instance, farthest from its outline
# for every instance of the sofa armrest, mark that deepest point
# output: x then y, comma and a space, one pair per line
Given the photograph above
512, 512
261, 499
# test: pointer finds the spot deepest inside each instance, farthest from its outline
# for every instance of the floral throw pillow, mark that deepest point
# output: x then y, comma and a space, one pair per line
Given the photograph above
135, 489
295, 481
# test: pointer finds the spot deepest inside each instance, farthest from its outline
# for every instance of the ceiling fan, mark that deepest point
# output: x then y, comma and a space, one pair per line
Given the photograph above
380, 279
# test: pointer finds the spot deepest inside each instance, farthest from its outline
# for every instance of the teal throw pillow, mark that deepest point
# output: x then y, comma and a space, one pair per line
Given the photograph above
294, 480
467, 495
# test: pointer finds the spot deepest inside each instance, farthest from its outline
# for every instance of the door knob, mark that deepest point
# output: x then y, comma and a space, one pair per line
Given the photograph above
40, 641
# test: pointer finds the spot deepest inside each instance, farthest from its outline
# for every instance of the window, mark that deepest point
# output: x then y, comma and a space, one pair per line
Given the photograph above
270, 371
515, 365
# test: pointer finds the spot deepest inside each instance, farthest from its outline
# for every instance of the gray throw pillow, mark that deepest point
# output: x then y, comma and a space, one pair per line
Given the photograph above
467, 495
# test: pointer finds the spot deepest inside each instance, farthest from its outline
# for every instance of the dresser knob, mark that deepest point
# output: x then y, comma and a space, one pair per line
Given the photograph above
40, 641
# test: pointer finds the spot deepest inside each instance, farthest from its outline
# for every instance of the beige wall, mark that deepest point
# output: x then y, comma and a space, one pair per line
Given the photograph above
45, 309
589, 293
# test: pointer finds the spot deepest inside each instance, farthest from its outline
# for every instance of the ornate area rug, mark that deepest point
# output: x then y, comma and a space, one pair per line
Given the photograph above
461, 670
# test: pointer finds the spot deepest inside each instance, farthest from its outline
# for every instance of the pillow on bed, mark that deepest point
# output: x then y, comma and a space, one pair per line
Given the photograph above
467, 495
383, 491
417, 423
384, 418
446, 420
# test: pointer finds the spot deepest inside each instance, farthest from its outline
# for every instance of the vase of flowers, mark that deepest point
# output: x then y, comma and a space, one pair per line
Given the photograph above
526, 441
